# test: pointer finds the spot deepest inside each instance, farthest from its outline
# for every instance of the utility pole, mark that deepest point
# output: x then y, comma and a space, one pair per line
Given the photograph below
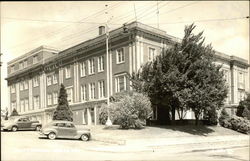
108, 123
0, 79
157, 15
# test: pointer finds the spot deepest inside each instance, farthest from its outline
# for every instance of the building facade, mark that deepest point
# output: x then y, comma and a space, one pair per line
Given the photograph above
34, 79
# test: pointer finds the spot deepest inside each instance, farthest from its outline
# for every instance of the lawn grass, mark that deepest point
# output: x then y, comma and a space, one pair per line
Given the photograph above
161, 131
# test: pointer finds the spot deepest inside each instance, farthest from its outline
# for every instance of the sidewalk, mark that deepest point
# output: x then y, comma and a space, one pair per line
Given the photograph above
177, 144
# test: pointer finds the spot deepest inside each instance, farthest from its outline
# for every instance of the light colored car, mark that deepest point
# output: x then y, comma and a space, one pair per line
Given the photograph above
20, 123
64, 129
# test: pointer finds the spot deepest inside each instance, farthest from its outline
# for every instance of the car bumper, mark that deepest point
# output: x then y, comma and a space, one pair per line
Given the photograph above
42, 135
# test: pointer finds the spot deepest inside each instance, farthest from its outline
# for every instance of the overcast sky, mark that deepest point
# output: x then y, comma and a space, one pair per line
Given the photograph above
28, 25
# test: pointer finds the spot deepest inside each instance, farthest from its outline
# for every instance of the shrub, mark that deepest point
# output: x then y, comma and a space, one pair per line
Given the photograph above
246, 113
131, 111
211, 116
242, 105
236, 123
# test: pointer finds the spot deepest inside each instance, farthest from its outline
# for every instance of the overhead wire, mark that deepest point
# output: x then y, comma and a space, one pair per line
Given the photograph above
65, 27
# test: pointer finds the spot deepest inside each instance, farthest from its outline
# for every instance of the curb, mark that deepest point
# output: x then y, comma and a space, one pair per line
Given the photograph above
109, 140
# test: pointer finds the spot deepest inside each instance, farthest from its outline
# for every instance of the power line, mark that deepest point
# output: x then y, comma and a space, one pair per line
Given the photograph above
37, 20
207, 20
65, 27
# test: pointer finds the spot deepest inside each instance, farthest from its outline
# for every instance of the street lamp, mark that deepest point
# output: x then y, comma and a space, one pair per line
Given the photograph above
108, 123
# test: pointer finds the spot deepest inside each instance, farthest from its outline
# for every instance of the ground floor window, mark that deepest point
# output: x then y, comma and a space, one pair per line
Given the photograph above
120, 83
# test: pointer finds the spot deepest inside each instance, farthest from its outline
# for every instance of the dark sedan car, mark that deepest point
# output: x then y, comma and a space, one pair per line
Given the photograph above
20, 123
64, 129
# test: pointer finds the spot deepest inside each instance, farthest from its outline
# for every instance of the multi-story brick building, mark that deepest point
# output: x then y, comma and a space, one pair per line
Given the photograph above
34, 78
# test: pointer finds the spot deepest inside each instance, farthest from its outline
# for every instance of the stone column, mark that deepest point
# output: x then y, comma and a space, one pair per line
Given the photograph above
30, 95
76, 82
18, 97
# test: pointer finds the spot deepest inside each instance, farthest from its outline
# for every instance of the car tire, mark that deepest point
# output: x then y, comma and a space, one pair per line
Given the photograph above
84, 137
38, 128
14, 128
52, 136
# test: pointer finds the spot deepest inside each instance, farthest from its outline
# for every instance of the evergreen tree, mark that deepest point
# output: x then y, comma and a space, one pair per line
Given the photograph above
183, 77
14, 113
63, 112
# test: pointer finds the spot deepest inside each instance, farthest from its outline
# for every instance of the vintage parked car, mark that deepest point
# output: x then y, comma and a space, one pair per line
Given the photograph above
20, 123
64, 129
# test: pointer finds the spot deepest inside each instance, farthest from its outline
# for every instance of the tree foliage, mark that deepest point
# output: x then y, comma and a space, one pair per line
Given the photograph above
14, 113
184, 77
127, 109
63, 112
244, 107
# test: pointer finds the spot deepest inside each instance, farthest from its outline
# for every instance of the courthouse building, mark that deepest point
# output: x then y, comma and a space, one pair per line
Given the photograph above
34, 79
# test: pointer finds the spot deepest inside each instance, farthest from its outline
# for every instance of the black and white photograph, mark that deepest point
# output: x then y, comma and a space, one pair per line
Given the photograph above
125, 80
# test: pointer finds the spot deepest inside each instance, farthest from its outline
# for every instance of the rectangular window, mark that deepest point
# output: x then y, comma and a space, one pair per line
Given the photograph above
83, 93
21, 86
35, 59
151, 54
241, 80
13, 88
26, 104
25, 63
55, 98
92, 91
91, 66
49, 80
25, 84
241, 77
101, 89
67, 72
54, 79
82, 69
120, 58
13, 105
12, 69
100, 63
22, 105
70, 95
21, 65
35, 81
36, 102
120, 83
49, 99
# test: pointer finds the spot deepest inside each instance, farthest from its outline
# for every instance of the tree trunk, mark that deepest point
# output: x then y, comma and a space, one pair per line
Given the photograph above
173, 113
196, 118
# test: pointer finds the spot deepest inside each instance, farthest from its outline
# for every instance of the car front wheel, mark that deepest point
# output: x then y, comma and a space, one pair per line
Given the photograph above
52, 136
84, 137
14, 128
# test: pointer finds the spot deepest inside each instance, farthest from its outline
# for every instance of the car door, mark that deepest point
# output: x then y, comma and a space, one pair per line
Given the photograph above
20, 123
60, 127
26, 123
70, 130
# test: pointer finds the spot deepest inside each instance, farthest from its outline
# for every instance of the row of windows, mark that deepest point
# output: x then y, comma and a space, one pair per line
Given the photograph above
51, 79
24, 104
24, 63
52, 98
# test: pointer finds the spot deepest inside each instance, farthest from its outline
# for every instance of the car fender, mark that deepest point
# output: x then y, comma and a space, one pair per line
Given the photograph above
80, 133
47, 131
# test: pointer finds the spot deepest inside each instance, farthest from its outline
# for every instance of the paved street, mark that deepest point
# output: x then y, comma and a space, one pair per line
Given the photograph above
25, 145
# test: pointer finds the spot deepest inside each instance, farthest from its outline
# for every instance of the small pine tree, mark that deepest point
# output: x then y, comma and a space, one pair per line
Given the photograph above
63, 112
14, 113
